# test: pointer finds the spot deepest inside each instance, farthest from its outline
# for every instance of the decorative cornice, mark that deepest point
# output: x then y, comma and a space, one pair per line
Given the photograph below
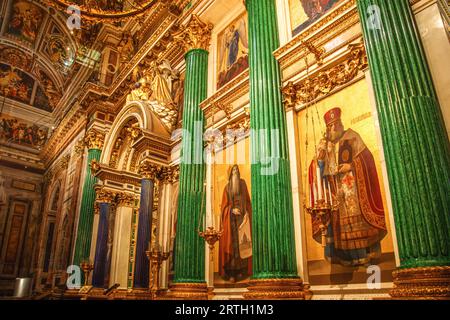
232, 91
67, 130
105, 173
195, 35
326, 80
94, 140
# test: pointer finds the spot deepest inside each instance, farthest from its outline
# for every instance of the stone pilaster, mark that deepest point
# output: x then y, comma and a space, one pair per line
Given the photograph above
120, 255
416, 147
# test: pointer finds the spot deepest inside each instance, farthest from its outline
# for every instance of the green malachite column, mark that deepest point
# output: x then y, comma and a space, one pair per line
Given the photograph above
189, 269
416, 147
274, 257
94, 142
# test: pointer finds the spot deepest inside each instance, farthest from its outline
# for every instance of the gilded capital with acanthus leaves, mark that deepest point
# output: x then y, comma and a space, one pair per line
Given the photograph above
195, 35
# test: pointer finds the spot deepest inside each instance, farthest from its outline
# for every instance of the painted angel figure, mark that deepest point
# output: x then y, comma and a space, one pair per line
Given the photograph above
234, 45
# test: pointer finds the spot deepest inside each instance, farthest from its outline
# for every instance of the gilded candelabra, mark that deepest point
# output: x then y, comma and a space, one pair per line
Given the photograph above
323, 210
211, 236
87, 267
156, 257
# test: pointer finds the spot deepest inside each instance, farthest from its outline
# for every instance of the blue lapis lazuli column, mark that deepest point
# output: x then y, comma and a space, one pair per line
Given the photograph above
142, 266
98, 277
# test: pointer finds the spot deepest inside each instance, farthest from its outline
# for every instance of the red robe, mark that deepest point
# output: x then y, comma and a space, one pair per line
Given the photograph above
225, 243
368, 186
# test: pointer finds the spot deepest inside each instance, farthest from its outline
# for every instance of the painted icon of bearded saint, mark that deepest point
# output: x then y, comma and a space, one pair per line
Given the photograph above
235, 246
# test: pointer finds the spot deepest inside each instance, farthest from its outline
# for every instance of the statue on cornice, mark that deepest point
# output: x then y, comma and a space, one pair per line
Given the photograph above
159, 86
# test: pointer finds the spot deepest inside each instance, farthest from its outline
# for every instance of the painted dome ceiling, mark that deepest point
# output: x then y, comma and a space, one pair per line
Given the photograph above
38, 54
105, 9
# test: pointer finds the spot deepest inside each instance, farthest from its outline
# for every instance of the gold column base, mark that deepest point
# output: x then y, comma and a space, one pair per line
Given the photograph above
187, 291
421, 283
139, 294
275, 289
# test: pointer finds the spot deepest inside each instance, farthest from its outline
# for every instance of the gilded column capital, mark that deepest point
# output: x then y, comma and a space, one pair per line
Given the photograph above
170, 174
104, 196
195, 35
149, 170
94, 140
125, 199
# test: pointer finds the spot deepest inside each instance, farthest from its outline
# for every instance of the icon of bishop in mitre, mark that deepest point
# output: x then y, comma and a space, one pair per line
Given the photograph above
344, 170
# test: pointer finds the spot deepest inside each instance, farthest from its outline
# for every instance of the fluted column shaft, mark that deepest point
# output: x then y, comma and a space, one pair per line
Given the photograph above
415, 141
142, 266
86, 217
190, 248
273, 229
101, 248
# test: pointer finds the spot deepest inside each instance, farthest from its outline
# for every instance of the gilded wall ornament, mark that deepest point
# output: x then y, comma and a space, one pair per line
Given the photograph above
196, 34
325, 81
106, 11
422, 283
94, 166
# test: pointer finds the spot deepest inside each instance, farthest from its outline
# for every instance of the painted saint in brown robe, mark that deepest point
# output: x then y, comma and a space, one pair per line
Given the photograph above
235, 246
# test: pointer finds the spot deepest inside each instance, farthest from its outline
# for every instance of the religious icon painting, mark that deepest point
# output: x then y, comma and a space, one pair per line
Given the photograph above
22, 132
305, 12
25, 20
15, 84
232, 214
232, 51
343, 169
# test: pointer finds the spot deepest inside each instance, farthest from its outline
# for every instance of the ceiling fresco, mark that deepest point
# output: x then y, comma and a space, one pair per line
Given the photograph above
25, 20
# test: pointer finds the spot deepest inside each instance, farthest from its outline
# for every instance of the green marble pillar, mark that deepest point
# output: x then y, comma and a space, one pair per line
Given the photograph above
86, 217
190, 248
415, 141
274, 255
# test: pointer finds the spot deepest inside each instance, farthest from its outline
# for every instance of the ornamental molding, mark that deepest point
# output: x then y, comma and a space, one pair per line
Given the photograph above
67, 130
335, 23
326, 80
105, 173
148, 52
